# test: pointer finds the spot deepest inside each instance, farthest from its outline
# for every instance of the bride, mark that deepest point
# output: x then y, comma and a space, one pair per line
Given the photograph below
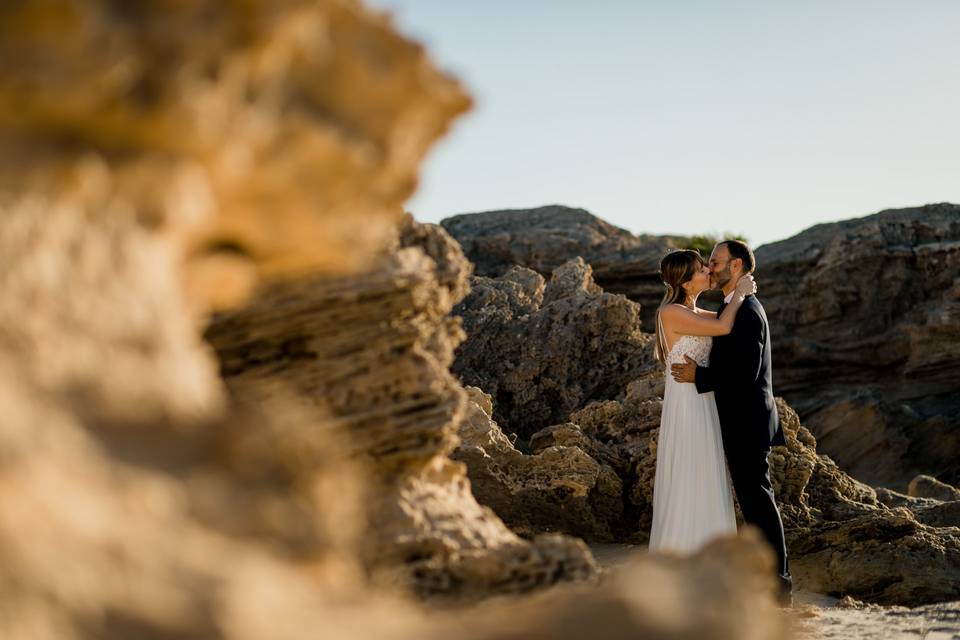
692, 498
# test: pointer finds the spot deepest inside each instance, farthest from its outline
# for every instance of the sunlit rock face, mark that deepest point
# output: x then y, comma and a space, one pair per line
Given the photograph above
865, 320
274, 137
375, 350
159, 159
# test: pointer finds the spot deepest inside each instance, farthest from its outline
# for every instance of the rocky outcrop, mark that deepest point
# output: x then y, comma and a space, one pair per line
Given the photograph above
629, 425
871, 538
545, 349
846, 300
142, 143
842, 540
544, 238
865, 316
561, 487
375, 349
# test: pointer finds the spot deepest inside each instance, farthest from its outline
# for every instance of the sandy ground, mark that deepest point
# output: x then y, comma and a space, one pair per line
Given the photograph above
816, 615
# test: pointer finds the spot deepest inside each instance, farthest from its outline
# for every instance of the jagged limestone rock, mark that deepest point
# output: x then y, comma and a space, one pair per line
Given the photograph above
374, 350
544, 238
562, 487
542, 350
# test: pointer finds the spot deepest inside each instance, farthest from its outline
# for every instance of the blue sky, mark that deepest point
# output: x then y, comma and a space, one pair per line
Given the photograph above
761, 118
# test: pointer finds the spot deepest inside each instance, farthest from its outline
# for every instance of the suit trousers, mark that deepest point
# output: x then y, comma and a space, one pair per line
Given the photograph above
750, 473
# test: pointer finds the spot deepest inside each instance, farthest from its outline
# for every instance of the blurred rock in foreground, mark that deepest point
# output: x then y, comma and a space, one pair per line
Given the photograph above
270, 137
160, 158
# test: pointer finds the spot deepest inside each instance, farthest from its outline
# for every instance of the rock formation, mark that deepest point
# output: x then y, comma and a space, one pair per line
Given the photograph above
846, 301
375, 349
157, 162
165, 158
544, 349
221, 119
561, 487
865, 317
544, 238
843, 540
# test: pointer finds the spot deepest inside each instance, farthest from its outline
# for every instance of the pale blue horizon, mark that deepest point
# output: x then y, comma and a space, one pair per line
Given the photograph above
755, 118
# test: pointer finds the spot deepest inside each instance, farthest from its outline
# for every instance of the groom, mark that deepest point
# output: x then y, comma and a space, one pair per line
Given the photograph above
740, 377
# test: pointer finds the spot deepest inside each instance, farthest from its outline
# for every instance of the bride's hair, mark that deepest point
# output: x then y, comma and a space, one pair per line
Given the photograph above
676, 268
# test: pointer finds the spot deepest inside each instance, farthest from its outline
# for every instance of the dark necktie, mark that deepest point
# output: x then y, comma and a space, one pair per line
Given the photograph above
723, 305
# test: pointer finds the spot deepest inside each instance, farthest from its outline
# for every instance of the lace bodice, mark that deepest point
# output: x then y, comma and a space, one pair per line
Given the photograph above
697, 347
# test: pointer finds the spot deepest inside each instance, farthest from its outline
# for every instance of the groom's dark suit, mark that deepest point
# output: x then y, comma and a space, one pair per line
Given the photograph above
740, 377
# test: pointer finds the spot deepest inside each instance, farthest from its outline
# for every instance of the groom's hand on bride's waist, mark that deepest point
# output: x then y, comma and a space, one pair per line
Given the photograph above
685, 371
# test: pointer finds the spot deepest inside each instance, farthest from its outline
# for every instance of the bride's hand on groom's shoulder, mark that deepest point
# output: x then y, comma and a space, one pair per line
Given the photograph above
685, 371
746, 285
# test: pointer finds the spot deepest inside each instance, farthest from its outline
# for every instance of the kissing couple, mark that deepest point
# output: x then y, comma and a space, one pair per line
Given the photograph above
719, 413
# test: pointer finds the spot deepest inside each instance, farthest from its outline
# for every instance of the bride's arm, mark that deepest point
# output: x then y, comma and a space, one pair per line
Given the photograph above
685, 322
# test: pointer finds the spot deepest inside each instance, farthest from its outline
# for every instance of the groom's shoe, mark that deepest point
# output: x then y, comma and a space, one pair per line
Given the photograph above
784, 591
785, 598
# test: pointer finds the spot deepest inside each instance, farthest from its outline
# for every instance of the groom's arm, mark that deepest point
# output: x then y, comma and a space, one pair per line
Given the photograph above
751, 334
704, 378
748, 336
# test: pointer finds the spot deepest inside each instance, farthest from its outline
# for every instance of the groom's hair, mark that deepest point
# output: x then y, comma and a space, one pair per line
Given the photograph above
740, 250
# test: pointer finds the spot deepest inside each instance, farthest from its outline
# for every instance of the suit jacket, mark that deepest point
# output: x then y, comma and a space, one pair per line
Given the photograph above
740, 375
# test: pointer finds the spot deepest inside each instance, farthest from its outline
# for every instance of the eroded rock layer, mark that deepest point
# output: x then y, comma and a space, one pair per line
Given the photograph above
865, 317
561, 487
374, 350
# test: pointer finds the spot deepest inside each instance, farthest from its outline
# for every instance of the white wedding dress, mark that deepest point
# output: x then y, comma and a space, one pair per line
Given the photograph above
692, 499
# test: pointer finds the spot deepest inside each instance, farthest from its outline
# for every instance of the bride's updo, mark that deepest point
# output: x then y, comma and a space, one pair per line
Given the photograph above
676, 268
